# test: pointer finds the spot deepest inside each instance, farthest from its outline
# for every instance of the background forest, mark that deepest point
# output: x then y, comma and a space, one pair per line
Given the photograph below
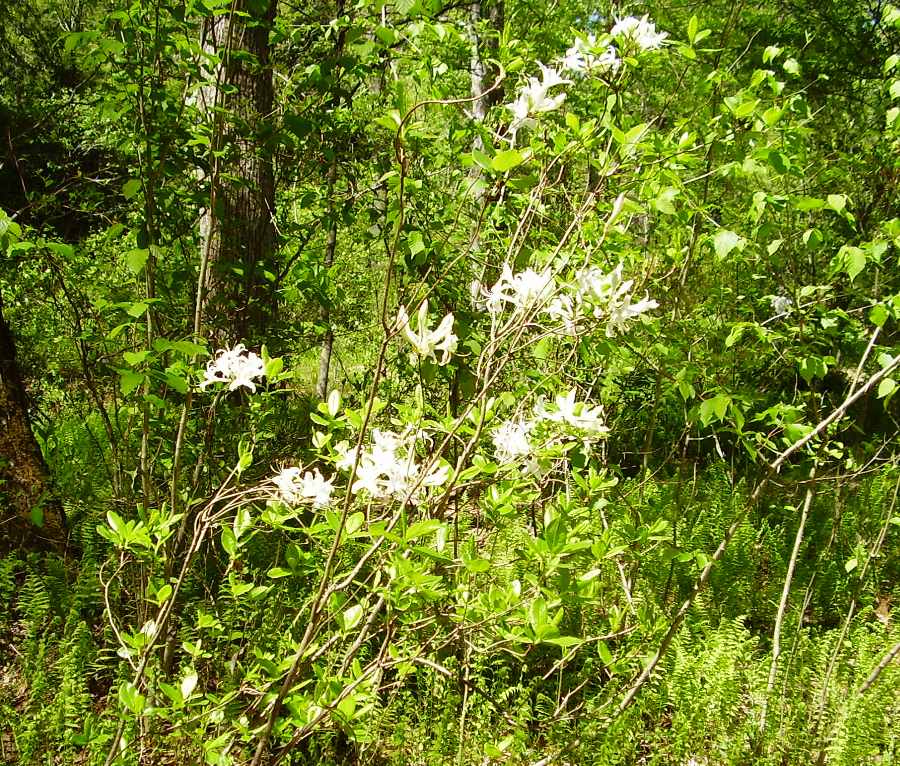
497, 382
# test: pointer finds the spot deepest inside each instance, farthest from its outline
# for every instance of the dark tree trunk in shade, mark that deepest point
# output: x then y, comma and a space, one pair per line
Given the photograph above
30, 516
238, 228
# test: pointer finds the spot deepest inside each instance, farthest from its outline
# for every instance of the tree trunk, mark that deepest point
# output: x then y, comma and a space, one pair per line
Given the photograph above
485, 27
330, 247
238, 228
30, 517
331, 242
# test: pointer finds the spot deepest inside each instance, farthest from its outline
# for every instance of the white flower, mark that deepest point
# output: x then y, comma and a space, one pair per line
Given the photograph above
388, 467
511, 440
563, 309
576, 414
781, 305
237, 367
294, 488
624, 311
521, 290
315, 487
286, 481
534, 98
582, 58
426, 342
609, 297
641, 33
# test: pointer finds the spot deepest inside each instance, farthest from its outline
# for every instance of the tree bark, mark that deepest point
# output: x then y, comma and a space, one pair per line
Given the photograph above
238, 228
30, 517
330, 247
485, 25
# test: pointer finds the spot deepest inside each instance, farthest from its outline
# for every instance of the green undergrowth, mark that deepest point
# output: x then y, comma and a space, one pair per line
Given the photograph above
59, 669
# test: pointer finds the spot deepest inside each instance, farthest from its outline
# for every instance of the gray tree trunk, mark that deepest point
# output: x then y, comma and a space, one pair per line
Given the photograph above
238, 228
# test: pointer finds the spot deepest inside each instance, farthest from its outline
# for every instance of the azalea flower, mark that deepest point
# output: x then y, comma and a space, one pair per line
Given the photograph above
237, 367
573, 413
388, 467
781, 305
426, 342
564, 310
582, 59
294, 487
596, 294
521, 290
315, 487
534, 98
286, 481
621, 313
640, 33
609, 296
511, 440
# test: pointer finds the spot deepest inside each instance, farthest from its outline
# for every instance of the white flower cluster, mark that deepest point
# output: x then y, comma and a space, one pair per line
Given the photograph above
534, 98
512, 439
426, 342
601, 296
295, 487
586, 56
639, 33
388, 467
593, 295
237, 367
578, 415
519, 291
781, 305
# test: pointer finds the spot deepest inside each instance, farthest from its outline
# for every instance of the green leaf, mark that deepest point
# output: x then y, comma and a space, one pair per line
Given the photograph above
692, 27
229, 542
837, 202
129, 380
812, 367
886, 388
354, 522
351, 617
422, 528
714, 408
131, 698
725, 241
177, 382
507, 160
772, 115
664, 201
131, 187
878, 315
137, 259
134, 358
136, 309
482, 160
791, 67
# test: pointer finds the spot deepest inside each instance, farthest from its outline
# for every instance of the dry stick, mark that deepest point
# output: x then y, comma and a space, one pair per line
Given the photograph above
885, 661
782, 605
642, 679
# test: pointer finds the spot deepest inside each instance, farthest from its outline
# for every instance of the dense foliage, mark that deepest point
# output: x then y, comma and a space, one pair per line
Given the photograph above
421, 383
